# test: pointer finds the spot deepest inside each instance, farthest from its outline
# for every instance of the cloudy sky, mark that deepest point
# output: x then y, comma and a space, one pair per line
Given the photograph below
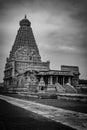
59, 26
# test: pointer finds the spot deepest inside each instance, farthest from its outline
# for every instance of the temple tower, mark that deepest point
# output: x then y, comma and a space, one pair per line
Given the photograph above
24, 55
25, 39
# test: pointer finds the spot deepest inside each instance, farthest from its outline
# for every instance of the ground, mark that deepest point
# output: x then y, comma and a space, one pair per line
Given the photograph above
60, 103
16, 118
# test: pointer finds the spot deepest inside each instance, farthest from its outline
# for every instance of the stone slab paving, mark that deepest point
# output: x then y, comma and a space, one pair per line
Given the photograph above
73, 119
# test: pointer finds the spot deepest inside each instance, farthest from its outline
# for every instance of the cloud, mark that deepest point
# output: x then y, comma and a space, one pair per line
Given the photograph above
66, 33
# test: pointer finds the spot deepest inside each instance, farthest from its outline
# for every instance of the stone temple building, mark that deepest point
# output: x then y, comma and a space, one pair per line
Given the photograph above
25, 71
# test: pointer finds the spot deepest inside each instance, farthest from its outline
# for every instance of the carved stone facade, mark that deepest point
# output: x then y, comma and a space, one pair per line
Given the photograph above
24, 68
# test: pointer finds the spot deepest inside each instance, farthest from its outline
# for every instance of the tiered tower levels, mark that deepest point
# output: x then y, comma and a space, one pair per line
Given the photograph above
25, 38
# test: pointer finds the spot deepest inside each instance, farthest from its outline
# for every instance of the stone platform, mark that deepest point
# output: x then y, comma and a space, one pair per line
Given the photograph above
55, 95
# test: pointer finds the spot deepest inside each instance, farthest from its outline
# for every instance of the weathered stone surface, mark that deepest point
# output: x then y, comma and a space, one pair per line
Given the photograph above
60, 88
69, 88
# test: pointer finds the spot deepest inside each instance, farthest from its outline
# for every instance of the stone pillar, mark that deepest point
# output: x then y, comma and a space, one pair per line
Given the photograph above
63, 80
51, 80
57, 79
69, 80
48, 80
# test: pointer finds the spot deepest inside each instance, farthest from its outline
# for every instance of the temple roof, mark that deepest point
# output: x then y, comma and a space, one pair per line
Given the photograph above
25, 22
56, 72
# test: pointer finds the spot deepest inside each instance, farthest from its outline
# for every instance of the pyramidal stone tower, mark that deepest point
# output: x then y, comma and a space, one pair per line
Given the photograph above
24, 55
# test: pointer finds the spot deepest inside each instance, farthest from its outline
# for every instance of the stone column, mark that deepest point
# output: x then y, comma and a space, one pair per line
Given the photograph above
69, 80
48, 80
63, 80
51, 80
57, 79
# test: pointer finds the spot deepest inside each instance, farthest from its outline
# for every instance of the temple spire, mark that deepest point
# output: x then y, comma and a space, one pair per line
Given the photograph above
25, 16
25, 21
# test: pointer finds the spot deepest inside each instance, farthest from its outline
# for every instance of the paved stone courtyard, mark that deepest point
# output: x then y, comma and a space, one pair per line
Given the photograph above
73, 119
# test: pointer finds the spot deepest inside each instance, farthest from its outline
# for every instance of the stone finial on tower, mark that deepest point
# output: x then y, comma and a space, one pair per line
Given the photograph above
25, 21
25, 16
